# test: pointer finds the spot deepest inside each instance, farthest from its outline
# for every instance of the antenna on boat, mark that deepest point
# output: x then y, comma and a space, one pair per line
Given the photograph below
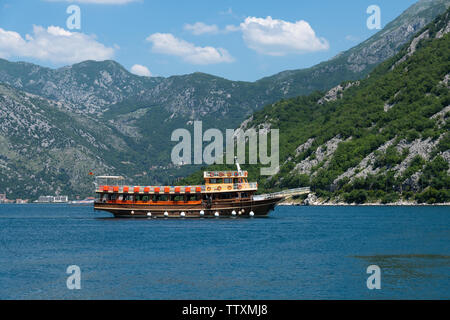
237, 164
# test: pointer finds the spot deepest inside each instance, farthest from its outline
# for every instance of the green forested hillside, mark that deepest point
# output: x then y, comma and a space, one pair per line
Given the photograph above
385, 138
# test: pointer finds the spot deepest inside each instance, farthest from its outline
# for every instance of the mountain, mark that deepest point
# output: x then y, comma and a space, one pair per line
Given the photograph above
86, 87
95, 87
121, 123
384, 138
40, 142
46, 149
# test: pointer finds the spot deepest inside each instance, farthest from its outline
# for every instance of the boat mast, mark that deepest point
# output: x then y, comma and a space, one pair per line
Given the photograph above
237, 164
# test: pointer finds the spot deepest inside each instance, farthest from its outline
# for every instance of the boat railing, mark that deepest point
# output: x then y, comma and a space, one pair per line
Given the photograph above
175, 189
109, 180
248, 185
285, 193
151, 189
225, 174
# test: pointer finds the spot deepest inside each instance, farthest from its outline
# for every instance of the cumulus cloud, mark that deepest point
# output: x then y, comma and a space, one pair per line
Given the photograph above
140, 70
97, 1
166, 43
53, 44
277, 37
201, 28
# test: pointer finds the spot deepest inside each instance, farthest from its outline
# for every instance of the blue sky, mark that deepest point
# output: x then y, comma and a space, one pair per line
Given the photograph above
232, 39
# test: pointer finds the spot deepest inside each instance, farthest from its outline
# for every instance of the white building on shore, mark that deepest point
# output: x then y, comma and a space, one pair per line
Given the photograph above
52, 199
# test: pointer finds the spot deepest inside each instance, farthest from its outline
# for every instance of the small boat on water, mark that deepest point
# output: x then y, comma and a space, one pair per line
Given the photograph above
225, 193
85, 202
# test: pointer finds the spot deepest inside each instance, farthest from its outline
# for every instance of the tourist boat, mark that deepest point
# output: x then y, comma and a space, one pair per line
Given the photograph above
225, 193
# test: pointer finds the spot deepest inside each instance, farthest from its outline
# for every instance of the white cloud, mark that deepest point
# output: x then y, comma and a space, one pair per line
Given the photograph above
140, 70
232, 28
201, 28
277, 37
97, 1
53, 44
166, 43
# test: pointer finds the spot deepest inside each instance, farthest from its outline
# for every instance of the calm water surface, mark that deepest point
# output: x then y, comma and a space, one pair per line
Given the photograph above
296, 253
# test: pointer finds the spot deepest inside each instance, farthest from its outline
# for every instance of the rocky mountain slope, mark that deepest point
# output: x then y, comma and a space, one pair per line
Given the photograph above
108, 120
45, 148
383, 138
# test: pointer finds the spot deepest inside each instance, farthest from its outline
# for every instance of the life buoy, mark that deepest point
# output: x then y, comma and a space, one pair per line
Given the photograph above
229, 187
209, 188
229, 174
219, 188
235, 174
211, 174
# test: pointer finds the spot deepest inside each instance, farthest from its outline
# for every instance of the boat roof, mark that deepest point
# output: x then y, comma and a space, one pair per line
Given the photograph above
225, 174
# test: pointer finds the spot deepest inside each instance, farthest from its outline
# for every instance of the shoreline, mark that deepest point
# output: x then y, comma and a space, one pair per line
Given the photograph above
336, 204
313, 200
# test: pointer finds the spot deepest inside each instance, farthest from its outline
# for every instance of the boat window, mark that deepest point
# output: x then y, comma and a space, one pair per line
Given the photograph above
127, 197
227, 195
214, 181
145, 198
193, 197
177, 198
228, 180
162, 197
207, 196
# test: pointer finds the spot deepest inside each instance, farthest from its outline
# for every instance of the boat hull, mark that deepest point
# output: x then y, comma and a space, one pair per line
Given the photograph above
242, 208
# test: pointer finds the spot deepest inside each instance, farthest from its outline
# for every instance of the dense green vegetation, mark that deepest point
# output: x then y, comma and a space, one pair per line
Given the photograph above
412, 90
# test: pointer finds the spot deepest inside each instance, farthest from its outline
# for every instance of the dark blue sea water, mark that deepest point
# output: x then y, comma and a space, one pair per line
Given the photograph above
296, 253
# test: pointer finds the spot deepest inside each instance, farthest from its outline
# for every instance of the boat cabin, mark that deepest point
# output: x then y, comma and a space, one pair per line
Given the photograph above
219, 185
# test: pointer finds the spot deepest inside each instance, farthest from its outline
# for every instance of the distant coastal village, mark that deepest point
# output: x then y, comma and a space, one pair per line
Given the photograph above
41, 199
46, 199
4, 199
